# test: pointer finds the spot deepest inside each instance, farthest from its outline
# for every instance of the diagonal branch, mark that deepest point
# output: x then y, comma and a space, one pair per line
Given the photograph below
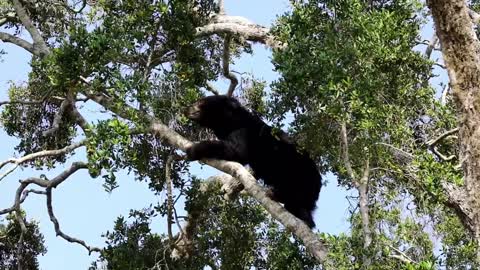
433, 142
19, 161
39, 44
239, 26
5, 37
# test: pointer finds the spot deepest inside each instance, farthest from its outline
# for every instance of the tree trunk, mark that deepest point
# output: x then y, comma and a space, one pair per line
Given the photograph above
460, 48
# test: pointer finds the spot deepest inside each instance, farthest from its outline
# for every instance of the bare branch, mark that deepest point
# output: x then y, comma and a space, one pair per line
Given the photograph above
23, 102
240, 26
445, 91
442, 156
5, 37
401, 256
212, 89
168, 183
226, 62
441, 136
40, 46
48, 185
36, 155
221, 6
432, 145
57, 120
57, 226
431, 45
345, 154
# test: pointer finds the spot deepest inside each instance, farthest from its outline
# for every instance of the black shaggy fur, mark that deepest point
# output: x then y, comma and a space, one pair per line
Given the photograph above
245, 138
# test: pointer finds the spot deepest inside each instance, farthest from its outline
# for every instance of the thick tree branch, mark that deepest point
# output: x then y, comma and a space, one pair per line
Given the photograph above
40, 46
431, 45
433, 142
240, 26
168, 183
345, 154
362, 187
221, 7
5, 37
212, 89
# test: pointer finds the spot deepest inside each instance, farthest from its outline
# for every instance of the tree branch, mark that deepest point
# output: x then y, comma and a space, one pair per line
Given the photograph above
36, 155
184, 243
401, 256
239, 26
226, 62
363, 203
39, 44
221, 7
433, 142
431, 45
5, 37
168, 183
57, 226
345, 154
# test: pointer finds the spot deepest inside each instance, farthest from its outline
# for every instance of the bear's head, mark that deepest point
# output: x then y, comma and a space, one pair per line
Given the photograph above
216, 111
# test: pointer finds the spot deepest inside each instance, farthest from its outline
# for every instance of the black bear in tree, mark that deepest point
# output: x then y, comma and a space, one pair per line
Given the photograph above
245, 138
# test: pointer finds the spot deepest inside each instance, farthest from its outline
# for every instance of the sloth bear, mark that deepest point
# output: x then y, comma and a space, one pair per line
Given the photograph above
292, 176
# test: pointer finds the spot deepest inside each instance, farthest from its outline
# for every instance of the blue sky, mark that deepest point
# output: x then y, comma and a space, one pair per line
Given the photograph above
81, 205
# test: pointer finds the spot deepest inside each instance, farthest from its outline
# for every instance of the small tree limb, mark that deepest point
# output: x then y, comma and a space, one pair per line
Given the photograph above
19, 161
226, 63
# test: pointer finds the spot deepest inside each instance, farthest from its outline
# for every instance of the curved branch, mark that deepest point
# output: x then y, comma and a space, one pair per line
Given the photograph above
5, 37
226, 69
40, 46
240, 26
57, 226
40, 154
